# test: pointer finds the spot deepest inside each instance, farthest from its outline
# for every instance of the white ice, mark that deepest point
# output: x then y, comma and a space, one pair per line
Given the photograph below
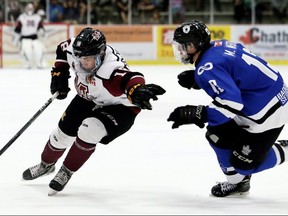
150, 170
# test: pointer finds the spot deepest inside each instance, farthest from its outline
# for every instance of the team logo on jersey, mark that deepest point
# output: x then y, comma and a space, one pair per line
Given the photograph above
82, 90
90, 79
217, 43
207, 66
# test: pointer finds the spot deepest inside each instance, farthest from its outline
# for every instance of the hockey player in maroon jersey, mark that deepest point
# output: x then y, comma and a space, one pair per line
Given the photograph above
109, 97
29, 24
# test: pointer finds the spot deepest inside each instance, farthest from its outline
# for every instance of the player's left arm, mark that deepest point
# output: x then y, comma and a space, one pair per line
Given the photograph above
139, 93
60, 71
220, 87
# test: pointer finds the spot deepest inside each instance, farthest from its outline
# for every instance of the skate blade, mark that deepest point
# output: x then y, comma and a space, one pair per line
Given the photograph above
233, 195
52, 192
239, 194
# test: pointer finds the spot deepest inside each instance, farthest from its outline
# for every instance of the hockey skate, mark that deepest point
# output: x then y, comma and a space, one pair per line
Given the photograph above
38, 170
60, 180
223, 189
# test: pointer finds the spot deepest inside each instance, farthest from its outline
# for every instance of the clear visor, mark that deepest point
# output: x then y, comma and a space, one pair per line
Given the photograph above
180, 52
88, 64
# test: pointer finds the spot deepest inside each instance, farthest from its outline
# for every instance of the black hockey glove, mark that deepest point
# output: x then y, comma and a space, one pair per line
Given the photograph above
188, 115
186, 79
141, 94
59, 82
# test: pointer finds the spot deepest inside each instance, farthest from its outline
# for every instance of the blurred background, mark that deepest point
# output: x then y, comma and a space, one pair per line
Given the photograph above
150, 11
142, 177
142, 30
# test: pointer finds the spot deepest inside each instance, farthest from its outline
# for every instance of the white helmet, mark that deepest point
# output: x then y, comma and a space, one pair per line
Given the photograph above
29, 9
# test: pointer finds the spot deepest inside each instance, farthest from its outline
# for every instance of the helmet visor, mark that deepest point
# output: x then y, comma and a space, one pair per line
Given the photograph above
88, 64
180, 52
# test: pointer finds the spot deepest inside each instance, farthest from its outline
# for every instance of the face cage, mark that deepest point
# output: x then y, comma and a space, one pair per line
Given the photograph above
180, 52
81, 69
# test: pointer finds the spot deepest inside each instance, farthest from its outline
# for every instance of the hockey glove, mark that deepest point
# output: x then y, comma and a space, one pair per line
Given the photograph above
188, 115
59, 82
141, 94
186, 79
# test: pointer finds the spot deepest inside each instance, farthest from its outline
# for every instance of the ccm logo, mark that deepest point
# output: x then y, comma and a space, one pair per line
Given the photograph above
240, 157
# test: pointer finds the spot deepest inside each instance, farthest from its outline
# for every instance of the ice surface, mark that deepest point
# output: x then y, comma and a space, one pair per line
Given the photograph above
150, 170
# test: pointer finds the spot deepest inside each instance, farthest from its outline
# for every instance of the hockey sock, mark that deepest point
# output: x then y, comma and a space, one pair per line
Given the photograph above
50, 154
223, 157
284, 157
78, 154
275, 156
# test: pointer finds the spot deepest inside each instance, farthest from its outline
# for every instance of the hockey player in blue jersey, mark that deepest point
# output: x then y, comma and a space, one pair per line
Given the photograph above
248, 109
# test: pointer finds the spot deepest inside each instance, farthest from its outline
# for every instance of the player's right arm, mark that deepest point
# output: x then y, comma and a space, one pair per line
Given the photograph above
60, 71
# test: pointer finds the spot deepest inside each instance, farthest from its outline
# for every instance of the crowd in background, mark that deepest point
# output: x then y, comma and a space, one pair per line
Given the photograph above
149, 11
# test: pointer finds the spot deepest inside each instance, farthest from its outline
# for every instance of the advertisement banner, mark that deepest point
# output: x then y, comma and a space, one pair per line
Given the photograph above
267, 41
151, 44
164, 41
165, 37
219, 32
133, 42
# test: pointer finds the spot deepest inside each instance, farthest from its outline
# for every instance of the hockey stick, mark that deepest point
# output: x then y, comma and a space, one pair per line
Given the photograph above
48, 102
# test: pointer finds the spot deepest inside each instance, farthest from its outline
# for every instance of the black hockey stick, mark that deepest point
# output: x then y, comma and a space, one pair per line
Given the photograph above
48, 102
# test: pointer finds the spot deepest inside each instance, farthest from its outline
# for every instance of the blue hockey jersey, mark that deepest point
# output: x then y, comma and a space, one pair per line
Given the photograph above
243, 87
